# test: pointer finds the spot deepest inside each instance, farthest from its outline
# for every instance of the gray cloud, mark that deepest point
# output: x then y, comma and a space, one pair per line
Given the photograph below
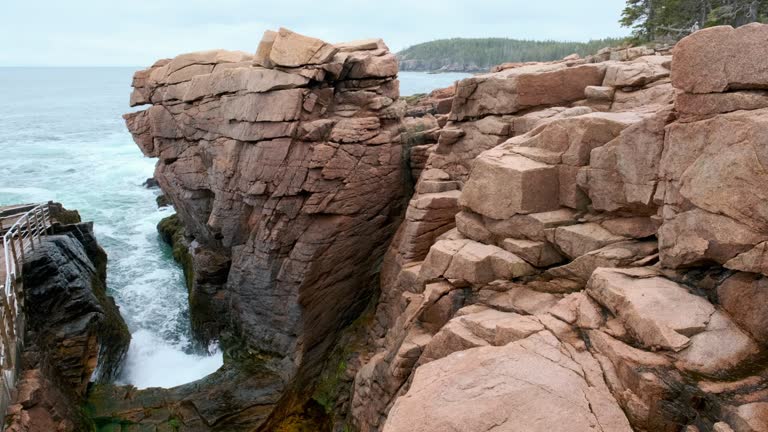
135, 33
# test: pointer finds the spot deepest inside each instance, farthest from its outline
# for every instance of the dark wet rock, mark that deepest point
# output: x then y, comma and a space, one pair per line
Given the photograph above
205, 272
151, 183
163, 201
67, 306
74, 331
63, 216
213, 403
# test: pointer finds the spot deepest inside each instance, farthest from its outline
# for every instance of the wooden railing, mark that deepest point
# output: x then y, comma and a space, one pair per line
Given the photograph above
28, 225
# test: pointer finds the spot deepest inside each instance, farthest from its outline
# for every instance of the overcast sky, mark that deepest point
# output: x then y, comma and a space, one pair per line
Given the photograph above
137, 32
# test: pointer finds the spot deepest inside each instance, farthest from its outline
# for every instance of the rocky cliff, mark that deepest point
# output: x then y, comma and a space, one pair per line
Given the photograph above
287, 170
584, 250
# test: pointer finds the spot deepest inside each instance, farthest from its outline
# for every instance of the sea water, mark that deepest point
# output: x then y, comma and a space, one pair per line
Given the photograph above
412, 83
62, 138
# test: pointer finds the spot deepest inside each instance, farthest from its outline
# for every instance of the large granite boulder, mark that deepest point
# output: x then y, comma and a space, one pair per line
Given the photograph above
743, 296
638, 72
294, 50
523, 87
712, 214
692, 104
503, 185
624, 173
754, 260
659, 312
662, 314
722, 58
535, 384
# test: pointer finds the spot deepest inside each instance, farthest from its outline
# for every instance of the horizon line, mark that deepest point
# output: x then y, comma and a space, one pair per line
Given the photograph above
70, 66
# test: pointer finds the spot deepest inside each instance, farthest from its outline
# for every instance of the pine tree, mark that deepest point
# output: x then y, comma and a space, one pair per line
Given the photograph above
654, 19
639, 15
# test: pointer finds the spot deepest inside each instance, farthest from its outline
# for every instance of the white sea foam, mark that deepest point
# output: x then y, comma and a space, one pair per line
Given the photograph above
152, 362
28, 194
62, 139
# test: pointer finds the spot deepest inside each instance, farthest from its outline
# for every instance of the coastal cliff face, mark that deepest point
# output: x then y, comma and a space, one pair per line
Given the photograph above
584, 249
286, 169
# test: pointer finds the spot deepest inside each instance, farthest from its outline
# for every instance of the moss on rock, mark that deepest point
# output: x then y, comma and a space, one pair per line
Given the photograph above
326, 408
162, 201
63, 216
171, 231
312, 418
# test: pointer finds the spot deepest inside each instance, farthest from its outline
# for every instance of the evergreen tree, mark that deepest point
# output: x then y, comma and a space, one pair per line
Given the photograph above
658, 19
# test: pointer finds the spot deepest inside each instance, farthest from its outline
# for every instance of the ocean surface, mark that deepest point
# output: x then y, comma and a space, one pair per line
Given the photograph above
412, 83
62, 138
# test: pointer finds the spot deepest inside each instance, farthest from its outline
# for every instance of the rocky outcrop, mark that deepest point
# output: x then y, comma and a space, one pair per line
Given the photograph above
286, 168
721, 59
703, 201
74, 331
597, 222
585, 247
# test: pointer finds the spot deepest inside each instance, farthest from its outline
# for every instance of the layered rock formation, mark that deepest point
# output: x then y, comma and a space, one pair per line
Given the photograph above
287, 170
585, 251
585, 248
74, 332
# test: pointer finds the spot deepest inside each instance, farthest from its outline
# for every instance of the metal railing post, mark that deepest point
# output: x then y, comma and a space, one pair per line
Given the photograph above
37, 225
7, 265
29, 233
21, 245
47, 221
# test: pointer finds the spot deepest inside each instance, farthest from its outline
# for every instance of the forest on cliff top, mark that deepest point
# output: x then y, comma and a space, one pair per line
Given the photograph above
460, 54
670, 20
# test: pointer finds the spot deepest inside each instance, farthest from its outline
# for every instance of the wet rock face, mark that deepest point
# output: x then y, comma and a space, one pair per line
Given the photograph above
287, 168
74, 331
230, 399
70, 319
